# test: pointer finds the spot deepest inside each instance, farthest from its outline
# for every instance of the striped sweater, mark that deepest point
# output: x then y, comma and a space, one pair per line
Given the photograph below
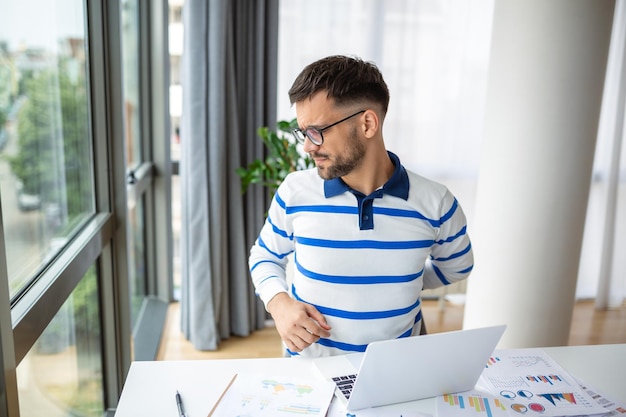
362, 261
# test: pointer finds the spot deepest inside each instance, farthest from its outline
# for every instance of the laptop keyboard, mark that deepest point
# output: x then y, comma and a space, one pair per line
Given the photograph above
345, 383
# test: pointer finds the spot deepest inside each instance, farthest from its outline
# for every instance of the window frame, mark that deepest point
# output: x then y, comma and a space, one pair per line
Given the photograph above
103, 238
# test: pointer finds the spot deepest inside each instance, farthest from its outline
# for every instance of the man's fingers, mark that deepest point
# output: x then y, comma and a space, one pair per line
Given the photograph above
299, 324
318, 317
301, 339
292, 346
310, 336
319, 326
298, 344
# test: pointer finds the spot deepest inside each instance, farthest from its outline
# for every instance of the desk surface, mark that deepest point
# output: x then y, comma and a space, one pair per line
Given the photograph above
150, 387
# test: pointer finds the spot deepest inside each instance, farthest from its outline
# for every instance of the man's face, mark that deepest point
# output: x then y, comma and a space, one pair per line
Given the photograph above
343, 149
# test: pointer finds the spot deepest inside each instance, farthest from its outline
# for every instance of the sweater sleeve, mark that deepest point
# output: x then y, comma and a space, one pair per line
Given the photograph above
452, 258
268, 255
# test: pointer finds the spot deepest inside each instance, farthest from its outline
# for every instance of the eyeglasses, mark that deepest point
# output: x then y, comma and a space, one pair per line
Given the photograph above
315, 134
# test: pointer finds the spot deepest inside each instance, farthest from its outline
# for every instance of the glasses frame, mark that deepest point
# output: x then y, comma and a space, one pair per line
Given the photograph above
302, 135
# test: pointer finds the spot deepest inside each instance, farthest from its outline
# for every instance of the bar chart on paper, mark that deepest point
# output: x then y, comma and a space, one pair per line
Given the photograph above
470, 404
548, 379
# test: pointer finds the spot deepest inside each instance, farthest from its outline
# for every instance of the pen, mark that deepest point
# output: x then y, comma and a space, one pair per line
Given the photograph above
179, 403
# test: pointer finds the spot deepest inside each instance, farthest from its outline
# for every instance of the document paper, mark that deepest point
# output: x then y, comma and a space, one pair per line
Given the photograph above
529, 382
266, 395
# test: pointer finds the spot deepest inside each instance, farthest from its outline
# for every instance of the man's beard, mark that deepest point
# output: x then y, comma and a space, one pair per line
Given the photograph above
341, 165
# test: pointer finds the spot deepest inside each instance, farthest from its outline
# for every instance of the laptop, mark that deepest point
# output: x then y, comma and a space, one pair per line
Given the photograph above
411, 368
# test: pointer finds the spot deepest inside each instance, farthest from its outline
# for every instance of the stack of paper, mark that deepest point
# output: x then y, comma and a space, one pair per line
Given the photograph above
523, 382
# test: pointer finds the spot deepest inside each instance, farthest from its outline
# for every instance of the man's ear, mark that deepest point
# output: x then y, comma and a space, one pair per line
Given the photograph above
371, 123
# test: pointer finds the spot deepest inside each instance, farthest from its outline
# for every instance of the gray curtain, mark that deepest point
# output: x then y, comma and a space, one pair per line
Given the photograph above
229, 90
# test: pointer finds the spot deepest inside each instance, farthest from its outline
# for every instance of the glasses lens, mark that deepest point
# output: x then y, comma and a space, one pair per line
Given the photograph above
299, 135
315, 135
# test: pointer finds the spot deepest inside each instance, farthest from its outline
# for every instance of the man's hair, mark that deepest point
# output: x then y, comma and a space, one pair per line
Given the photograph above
345, 79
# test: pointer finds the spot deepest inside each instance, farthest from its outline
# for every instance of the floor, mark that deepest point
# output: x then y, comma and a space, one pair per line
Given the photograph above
589, 327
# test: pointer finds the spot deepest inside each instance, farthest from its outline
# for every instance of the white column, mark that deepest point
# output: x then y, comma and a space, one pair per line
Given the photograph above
612, 131
545, 86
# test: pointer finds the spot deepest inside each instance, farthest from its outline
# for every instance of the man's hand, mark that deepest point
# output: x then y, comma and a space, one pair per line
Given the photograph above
298, 324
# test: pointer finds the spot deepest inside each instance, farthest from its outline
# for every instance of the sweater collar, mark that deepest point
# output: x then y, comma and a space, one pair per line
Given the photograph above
397, 185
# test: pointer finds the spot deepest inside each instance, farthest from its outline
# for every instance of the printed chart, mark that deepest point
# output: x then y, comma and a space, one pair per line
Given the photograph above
470, 404
258, 395
529, 382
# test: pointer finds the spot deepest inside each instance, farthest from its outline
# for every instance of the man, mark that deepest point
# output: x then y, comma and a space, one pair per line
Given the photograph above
367, 235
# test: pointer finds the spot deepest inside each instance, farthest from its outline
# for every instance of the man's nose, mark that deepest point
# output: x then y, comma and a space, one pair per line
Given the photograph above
310, 146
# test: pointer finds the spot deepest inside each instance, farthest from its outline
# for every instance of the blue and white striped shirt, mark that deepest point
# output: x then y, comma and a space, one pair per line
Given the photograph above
362, 261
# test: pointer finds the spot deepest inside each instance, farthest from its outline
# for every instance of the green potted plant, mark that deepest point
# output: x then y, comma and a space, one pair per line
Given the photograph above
284, 156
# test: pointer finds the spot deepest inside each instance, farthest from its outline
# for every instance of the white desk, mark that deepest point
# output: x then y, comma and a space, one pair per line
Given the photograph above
150, 387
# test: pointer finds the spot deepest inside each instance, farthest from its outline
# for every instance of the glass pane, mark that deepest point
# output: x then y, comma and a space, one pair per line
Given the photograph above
434, 56
131, 54
62, 374
46, 167
136, 256
176, 223
176, 33
175, 39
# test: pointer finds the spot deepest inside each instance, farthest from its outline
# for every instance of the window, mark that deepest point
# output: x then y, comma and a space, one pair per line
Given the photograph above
47, 182
134, 152
146, 136
77, 243
175, 49
434, 56
62, 373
